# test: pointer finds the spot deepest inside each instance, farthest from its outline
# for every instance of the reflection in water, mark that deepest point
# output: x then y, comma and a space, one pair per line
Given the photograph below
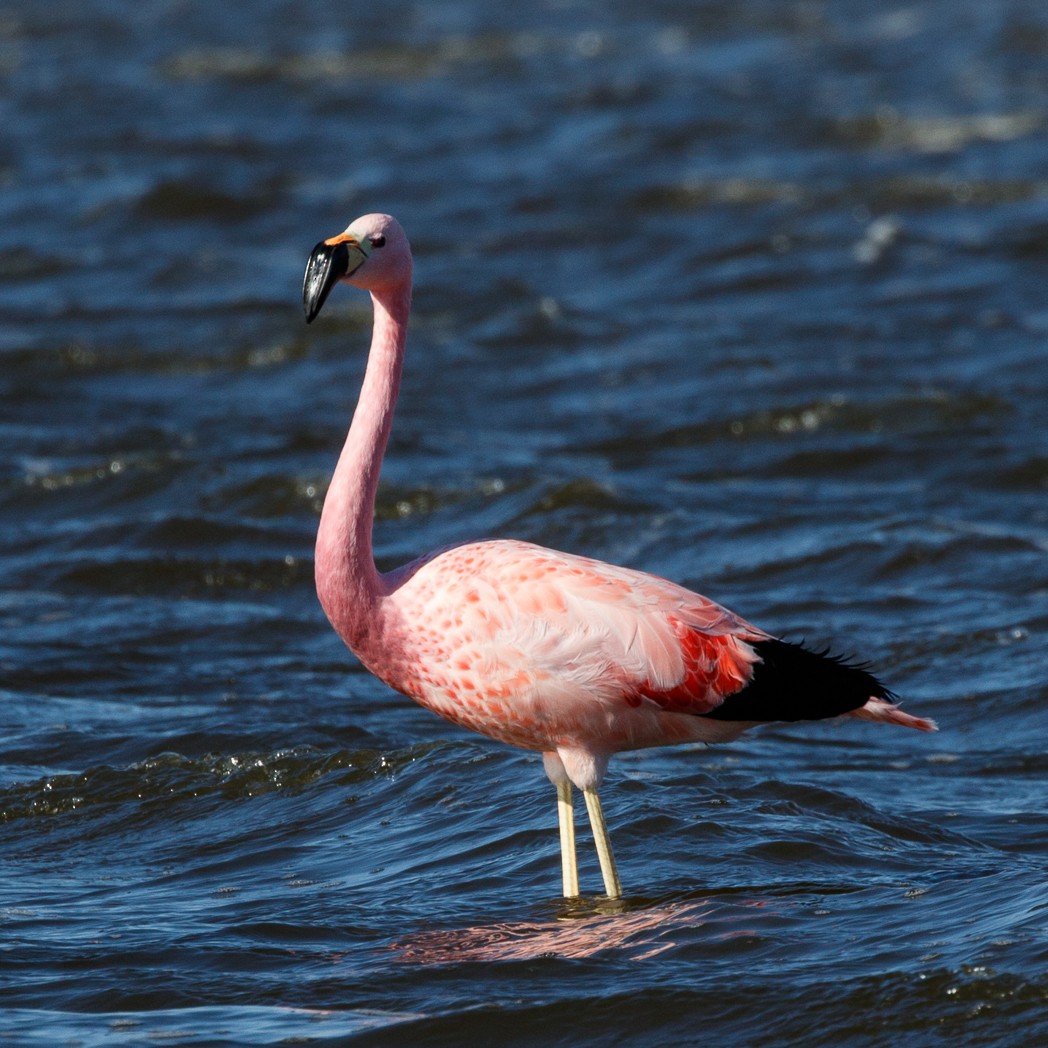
585, 929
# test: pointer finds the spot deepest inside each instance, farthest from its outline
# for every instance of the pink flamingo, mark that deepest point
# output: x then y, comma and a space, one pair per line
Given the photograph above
553, 652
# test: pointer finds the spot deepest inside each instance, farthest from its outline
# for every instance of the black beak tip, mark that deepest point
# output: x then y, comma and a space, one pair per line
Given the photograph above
328, 263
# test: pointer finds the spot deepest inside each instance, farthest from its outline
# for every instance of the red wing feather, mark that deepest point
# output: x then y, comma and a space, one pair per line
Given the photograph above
714, 667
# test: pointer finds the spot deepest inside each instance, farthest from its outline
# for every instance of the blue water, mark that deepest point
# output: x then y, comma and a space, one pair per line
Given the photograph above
749, 295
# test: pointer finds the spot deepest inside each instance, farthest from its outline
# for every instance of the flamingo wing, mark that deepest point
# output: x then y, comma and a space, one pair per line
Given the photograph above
510, 615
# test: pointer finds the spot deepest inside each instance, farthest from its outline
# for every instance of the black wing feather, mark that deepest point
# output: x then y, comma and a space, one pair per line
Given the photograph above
794, 683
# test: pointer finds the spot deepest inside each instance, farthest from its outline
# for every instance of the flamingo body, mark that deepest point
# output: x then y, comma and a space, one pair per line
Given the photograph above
549, 651
544, 650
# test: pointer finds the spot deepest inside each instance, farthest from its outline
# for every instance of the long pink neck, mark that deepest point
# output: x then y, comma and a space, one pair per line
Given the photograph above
348, 583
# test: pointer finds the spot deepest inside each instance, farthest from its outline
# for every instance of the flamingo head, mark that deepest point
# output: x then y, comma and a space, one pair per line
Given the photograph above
373, 253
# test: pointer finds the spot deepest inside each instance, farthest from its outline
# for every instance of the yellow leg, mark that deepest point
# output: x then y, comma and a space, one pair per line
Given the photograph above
603, 843
566, 818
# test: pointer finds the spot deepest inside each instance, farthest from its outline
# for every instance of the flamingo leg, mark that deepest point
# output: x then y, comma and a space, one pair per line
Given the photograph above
601, 839
566, 818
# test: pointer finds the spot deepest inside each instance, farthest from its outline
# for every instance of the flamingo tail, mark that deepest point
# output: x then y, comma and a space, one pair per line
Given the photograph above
889, 713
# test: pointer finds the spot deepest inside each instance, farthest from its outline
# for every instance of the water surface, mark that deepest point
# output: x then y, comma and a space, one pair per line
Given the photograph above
750, 295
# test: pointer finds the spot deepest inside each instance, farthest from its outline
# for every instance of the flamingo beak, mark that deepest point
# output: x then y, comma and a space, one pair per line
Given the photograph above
331, 261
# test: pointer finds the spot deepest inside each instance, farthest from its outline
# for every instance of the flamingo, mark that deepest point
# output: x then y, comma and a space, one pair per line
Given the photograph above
553, 652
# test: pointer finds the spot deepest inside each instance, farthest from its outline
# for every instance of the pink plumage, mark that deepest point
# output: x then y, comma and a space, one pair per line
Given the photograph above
554, 652
549, 651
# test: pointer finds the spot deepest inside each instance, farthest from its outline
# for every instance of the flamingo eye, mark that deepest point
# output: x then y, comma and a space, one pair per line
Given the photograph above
378, 241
